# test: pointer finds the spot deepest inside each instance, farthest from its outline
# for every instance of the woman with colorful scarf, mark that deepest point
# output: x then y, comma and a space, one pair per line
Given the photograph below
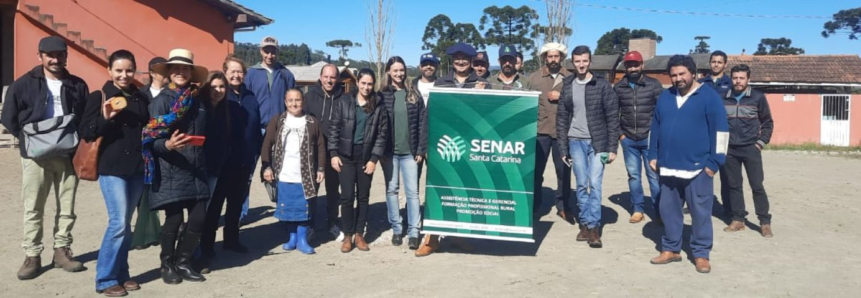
296, 164
175, 164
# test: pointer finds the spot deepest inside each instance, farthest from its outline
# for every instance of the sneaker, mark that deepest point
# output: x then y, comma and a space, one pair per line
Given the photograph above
335, 231
397, 239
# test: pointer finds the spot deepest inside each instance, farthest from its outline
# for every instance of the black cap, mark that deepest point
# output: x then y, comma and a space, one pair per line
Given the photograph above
155, 61
482, 56
52, 44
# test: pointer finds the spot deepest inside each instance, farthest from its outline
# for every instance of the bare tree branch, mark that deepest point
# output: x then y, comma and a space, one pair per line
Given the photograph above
379, 33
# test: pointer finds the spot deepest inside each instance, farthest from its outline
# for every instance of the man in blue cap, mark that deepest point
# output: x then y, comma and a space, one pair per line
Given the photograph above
428, 66
462, 75
507, 78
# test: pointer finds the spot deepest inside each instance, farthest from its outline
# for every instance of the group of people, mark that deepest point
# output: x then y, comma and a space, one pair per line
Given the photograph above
190, 141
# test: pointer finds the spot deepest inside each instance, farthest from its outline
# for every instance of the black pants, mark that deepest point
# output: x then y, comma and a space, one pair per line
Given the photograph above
173, 216
233, 186
544, 147
333, 197
355, 192
751, 158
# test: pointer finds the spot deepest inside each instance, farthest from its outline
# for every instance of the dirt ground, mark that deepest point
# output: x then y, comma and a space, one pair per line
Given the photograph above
813, 253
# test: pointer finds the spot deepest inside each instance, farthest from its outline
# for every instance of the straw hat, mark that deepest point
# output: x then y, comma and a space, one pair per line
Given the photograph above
182, 57
553, 46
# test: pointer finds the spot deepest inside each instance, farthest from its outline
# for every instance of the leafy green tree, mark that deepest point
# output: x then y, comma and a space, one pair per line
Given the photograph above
511, 26
441, 33
777, 46
343, 46
845, 22
702, 47
615, 42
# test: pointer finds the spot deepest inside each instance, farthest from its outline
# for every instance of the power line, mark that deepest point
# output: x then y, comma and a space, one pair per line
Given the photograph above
701, 13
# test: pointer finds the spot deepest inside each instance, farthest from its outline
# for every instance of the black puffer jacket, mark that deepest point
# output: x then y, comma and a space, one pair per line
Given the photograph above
417, 118
343, 124
637, 105
749, 119
121, 136
321, 105
180, 175
602, 114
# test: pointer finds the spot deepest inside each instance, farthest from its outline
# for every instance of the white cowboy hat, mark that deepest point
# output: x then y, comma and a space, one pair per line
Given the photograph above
182, 57
553, 46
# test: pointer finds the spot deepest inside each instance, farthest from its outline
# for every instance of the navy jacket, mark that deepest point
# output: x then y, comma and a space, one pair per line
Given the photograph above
723, 85
270, 99
686, 138
246, 138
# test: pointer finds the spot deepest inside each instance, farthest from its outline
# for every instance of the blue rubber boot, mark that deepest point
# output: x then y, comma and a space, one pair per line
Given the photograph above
291, 244
304, 247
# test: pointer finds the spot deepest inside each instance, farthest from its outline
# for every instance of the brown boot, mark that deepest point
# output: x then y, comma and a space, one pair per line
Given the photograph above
30, 269
347, 244
115, 291
734, 226
361, 244
595, 237
666, 257
429, 246
703, 265
63, 258
636, 217
765, 230
584, 233
131, 285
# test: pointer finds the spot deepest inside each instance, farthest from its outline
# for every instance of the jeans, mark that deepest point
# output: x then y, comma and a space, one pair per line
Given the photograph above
406, 166
751, 158
698, 193
546, 145
356, 189
121, 198
635, 155
39, 177
588, 173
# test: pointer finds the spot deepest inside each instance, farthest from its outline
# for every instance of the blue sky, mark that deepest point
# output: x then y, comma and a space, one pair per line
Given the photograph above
315, 22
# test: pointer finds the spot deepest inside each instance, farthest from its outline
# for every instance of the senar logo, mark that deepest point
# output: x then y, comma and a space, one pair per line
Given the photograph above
451, 149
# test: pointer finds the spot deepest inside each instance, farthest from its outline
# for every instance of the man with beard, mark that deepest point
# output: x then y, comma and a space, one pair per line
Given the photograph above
718, 79
548, 81
462, 77
507, 78
638, 95
480, 65
428, 65
46, 92
588, 122
751, 125
688, 145
320, 101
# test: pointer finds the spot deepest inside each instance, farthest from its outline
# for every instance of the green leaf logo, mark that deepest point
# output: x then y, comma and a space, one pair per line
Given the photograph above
451, 149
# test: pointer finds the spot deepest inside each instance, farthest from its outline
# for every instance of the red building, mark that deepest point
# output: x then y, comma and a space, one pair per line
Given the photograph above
95, 28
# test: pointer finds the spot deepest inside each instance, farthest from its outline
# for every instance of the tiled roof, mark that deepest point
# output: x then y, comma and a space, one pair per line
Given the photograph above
230, 6
817, 69
307, 73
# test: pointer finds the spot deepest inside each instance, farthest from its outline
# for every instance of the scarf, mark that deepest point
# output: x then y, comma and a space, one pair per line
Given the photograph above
160, 126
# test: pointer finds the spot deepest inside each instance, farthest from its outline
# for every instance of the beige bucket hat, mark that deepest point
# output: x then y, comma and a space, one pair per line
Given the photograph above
182, 57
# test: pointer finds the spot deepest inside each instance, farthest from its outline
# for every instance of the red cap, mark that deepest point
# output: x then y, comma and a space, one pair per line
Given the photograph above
633, 56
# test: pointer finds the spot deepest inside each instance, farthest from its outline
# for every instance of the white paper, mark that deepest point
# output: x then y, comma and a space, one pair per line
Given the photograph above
722, 142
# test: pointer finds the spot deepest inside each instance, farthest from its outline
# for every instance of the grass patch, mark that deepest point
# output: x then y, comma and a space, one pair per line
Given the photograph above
812, 147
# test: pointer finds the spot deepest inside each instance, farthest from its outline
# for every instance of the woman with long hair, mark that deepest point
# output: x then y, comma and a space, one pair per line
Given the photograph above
293, 156
120, 166
175, 163
357, 139
405, 149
